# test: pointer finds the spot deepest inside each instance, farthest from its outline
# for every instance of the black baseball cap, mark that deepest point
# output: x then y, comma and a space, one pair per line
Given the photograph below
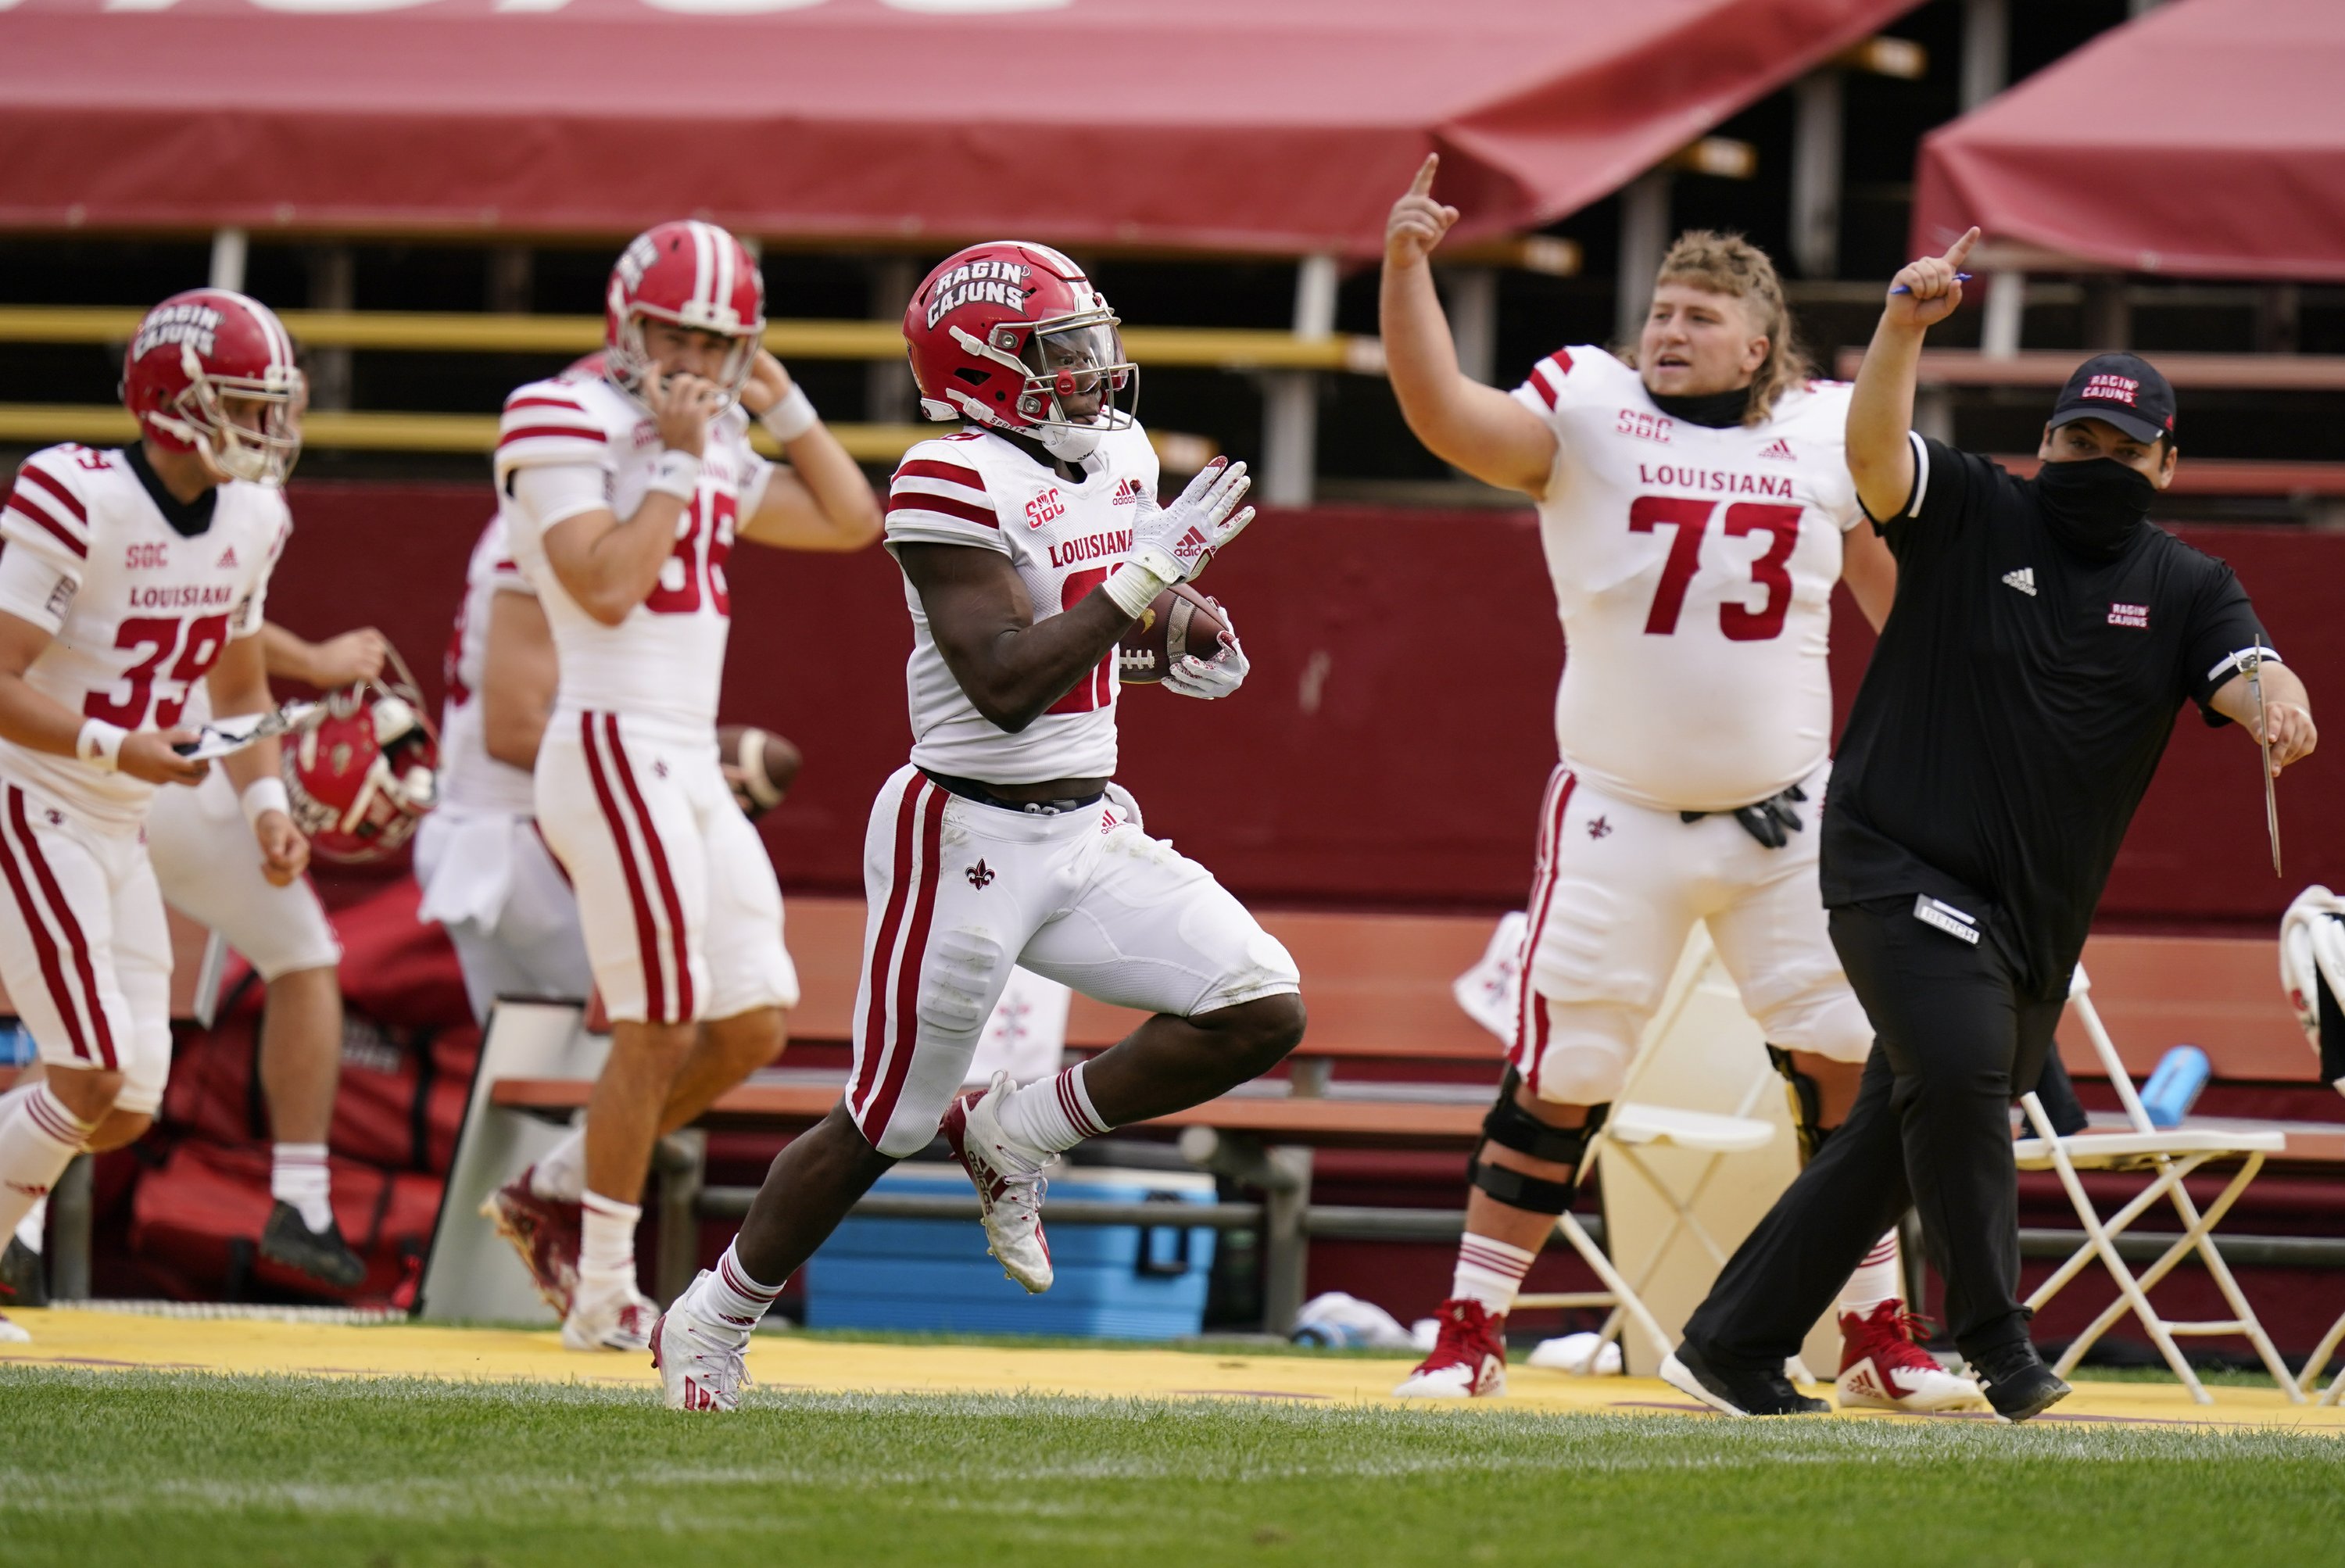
2124, 390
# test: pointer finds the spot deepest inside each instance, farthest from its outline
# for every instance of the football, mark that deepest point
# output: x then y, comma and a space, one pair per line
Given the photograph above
759, 765
1180, 621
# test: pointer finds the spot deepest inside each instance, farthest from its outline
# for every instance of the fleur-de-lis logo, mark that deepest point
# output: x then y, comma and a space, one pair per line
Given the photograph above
979, 875
1599, 828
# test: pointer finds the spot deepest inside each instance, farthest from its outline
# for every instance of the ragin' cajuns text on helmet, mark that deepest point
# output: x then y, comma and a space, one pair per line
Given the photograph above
1011, 335
201, 359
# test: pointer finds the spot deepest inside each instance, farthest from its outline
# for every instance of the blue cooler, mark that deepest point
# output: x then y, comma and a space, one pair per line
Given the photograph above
1114, 1281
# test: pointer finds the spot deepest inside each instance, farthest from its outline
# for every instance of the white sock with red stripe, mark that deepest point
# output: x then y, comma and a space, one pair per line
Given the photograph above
1051, 1115
560, 1176
729, 1294
38, 1138
606, 1246
1877, 1279
1489, 1272
298, 1176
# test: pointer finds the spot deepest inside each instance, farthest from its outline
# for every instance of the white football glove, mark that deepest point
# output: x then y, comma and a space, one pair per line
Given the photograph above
1210, 677
1173, 544
1120, 799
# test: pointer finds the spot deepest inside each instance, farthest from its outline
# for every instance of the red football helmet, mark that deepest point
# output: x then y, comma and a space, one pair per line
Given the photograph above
690, 274
363, 778
194, 355
1012, 335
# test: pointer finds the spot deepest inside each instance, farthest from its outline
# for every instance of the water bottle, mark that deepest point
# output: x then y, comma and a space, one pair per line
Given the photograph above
2174, 1088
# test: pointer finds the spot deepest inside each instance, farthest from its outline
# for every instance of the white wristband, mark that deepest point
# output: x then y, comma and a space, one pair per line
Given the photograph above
678, 474
264, 795
1134, 587
99, 744
791, 417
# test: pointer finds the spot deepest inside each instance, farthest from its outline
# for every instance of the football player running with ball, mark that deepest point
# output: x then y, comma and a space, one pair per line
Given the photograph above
131, 580
622, 497
1031, 543
1696, 511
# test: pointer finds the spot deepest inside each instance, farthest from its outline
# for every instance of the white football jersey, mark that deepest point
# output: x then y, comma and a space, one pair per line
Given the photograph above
667, 661
978, 489
470, 778
1693, 572
139, 612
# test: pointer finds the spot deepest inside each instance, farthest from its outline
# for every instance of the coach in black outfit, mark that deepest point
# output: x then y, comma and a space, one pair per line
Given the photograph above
2043, 639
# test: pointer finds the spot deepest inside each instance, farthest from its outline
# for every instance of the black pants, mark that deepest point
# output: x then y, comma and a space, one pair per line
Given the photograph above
1954, 1041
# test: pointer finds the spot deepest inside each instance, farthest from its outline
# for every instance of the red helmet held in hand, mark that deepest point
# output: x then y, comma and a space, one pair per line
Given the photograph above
363, 778
212, 372
1012, 335
690, 274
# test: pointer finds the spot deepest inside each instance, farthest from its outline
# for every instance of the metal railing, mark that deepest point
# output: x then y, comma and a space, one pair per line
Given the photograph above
414, 331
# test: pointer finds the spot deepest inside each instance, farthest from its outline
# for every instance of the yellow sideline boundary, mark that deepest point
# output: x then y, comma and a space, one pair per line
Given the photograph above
114, 1341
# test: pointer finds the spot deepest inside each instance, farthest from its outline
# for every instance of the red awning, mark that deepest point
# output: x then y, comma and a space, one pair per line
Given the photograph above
1257, 124
2207, 140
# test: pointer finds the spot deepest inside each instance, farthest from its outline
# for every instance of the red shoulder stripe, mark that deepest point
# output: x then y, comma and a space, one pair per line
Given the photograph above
55, 487
930, 468
32, 513
543, 402
966, 510
531, 432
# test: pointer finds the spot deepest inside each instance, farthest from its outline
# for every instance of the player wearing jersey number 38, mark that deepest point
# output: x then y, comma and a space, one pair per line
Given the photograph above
128, 578
1695, 511
1031, 543
622, 496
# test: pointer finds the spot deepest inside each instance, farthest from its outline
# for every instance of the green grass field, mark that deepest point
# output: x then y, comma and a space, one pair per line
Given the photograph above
155, 1470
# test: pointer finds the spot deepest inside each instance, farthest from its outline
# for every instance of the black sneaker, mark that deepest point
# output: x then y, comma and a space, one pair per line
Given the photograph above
22, 1281
1737, 1392
322, 1255
2017, 1381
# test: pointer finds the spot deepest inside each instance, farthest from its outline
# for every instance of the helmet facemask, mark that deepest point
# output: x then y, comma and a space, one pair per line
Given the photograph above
228, 447
629, 362
1075, 374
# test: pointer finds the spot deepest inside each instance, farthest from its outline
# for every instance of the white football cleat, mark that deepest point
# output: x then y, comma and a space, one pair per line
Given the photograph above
621, 1321
1009, 1182
12, 1333
1881, 1366
701, 1364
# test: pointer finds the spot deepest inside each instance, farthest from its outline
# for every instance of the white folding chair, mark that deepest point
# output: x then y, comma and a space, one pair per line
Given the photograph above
1633, 1126
2313, 1368
2173, 1153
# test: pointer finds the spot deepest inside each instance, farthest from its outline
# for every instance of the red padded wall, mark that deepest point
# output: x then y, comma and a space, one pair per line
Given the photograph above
1392, 743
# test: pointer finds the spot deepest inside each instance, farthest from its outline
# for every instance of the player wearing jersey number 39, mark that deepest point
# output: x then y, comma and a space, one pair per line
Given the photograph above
1695, 511
1031, 542
622, 497
128, 578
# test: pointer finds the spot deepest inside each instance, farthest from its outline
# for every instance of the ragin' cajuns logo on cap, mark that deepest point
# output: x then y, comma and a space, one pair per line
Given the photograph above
2113, 388
987, 282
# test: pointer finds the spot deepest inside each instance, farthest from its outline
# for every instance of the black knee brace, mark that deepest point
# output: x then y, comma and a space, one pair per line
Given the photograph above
1807, 1104
1510, 1126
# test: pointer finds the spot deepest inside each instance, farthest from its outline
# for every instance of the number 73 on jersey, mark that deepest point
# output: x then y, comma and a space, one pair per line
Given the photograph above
1689, 519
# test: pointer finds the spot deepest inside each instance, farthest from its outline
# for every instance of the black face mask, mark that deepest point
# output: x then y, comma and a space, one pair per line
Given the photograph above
2094, 508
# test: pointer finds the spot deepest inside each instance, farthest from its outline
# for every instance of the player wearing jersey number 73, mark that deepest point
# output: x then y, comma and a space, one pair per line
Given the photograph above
127, 577
1695, 513
622, 494
1031, 542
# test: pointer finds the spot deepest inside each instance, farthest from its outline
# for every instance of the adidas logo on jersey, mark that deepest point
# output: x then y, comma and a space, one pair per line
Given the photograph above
227, 559
1780, 450
2023, 579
